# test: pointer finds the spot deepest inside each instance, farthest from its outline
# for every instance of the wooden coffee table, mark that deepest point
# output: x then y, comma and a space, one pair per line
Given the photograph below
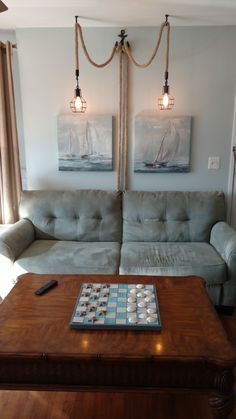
38, 350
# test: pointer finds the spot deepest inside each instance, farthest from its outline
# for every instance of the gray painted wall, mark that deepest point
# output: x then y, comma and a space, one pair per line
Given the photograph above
202, 78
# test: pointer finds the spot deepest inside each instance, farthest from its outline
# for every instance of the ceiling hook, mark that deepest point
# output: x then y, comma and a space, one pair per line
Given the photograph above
122, 36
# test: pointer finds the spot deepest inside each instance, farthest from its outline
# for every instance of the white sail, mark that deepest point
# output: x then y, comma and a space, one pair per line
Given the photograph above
168, 147
72, 148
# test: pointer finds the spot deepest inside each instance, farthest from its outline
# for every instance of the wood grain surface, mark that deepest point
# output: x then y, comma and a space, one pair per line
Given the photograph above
38, 349
35, 325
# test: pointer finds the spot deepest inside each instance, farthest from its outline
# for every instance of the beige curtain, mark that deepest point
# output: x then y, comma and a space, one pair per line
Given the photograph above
10, 176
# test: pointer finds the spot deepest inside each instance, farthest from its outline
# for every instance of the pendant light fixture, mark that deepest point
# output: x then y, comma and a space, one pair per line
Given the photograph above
166, 101
124, 51
78, 103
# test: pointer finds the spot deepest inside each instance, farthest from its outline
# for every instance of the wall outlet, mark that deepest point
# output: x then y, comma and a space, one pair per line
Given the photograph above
213, 162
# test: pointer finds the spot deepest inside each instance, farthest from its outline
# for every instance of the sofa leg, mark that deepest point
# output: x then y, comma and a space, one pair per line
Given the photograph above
226, 310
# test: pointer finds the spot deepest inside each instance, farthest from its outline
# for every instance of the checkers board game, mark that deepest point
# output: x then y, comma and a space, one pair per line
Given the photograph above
116, 306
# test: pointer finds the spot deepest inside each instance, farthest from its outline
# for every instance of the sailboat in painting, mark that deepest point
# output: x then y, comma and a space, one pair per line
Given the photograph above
92, 144
162, 144
72, 146
85, 143
168, 148
90, 138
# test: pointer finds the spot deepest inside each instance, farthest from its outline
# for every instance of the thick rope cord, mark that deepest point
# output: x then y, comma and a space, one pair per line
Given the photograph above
119, 121
125, 125
167, 45
122, 126
76, 48
163, 25
78, 27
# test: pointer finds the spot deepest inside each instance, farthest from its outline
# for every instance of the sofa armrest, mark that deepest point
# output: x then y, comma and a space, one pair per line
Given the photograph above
16, 239
13, 242
223, 238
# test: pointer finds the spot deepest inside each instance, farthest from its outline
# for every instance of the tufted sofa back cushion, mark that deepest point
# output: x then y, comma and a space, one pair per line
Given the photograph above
83, 215
171, 216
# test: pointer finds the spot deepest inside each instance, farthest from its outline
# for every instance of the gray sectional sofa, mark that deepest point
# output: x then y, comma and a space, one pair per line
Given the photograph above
106, 232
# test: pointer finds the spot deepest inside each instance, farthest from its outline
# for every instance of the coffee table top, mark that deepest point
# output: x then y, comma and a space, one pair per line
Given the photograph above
33, 325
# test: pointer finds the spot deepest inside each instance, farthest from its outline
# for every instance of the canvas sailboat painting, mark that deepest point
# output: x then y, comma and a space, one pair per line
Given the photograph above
162, 144
85, 142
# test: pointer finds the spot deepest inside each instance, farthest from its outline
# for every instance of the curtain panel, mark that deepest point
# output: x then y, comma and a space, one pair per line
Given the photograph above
10, 175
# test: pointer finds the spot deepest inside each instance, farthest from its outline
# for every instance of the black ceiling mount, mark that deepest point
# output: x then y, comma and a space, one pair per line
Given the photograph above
122, 36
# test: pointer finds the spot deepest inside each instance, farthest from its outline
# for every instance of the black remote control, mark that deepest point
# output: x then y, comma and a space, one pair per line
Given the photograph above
46, 287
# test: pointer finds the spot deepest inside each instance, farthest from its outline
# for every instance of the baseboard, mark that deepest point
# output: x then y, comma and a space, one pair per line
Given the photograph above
226, 310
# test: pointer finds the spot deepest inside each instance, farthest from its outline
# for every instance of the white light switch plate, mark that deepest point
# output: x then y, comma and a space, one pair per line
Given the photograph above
213, 162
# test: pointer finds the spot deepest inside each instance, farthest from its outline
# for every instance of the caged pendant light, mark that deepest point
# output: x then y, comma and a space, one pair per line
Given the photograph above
166, 101
78, 104
124, 51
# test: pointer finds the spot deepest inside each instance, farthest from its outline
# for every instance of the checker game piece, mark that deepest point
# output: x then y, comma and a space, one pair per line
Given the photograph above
116, 306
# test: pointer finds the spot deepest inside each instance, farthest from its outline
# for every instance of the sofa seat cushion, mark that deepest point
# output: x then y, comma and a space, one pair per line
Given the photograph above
69, 257
141, 258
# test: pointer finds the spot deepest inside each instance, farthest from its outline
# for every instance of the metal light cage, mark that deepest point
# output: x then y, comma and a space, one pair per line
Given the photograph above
171, 102
166, 91
78, 110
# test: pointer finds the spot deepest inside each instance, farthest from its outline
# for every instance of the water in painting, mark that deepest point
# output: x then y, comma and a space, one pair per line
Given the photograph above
85, 142
162, 144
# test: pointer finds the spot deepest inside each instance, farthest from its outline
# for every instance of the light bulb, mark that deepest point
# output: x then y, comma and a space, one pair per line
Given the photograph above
165, 100
78, 103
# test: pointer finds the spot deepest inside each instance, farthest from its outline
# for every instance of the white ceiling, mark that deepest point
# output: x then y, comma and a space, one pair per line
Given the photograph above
60, 13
